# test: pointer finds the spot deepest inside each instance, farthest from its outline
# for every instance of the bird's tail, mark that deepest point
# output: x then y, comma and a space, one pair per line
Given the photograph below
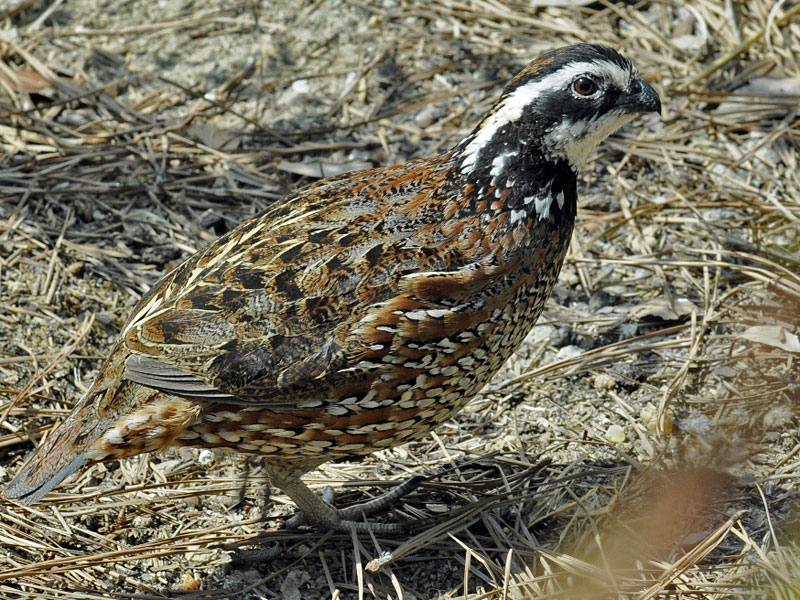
133, 419
65, 451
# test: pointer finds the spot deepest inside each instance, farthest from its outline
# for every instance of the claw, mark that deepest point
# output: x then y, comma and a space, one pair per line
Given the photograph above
318, 511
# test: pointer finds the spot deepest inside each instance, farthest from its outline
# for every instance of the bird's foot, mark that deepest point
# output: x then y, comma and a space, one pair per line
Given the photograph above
321, 513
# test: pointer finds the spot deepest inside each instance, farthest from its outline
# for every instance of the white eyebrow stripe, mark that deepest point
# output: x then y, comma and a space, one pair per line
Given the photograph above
512, 106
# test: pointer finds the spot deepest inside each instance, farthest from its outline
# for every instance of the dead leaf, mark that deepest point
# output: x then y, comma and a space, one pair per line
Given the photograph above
24, 80
773, 335
780, 91
214, 137
663, 309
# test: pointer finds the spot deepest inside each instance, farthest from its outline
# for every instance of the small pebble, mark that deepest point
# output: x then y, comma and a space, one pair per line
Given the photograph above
615, 434
189, 583
568, 352
206, 457
628, 330
560, 336
601, 299
142, 521
649, 416
604, 382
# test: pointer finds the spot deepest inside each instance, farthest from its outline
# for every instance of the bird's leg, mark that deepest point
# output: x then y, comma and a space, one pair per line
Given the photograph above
318, 511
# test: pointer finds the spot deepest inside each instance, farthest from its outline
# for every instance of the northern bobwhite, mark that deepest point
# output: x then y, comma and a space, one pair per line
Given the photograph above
361, 311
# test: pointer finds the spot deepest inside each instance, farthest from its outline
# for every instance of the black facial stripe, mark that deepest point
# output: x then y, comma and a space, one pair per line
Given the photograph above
558, 105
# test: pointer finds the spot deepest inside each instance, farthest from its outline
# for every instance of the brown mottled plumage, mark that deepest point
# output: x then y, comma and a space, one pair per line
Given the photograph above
363, 310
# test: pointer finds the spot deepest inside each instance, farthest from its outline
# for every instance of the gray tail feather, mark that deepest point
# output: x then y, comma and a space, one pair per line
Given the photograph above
30, 493
62, 453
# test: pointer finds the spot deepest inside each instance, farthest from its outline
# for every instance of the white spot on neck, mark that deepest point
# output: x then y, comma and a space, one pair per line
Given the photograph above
499, 163
542, 205
542, 202
518, 215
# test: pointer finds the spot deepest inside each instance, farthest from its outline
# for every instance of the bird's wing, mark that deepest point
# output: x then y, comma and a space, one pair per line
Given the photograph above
155, 373
268, 312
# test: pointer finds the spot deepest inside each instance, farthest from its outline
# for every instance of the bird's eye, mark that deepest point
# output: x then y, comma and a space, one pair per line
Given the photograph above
584, 86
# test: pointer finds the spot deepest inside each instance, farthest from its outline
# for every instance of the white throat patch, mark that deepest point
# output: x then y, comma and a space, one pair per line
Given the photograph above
569, 141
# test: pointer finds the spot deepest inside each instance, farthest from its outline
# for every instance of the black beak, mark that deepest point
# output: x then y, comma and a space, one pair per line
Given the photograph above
642, 98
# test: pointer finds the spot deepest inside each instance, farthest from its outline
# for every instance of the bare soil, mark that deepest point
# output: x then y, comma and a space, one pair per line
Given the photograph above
642, 443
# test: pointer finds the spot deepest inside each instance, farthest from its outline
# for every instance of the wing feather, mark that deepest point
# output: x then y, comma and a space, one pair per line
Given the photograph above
157, 374
268, 313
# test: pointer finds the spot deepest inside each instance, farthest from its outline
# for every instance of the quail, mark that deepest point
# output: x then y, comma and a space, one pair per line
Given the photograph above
361, 311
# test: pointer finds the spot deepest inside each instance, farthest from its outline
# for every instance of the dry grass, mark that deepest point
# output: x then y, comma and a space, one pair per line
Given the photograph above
661, 385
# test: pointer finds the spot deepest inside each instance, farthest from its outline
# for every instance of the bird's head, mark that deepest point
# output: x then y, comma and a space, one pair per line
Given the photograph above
561, 106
